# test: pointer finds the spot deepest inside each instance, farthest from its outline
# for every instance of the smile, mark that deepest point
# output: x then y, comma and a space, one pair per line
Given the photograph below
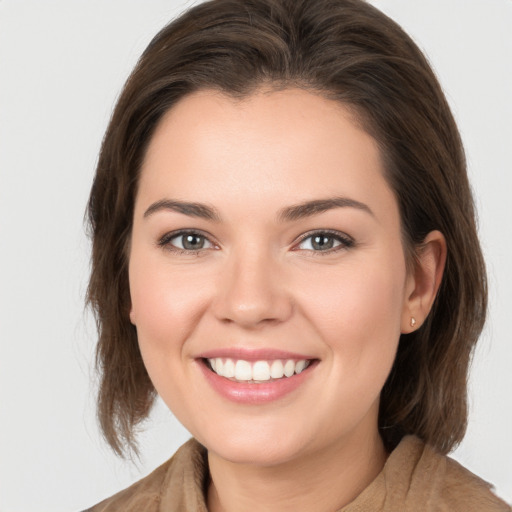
256, 377
257, 371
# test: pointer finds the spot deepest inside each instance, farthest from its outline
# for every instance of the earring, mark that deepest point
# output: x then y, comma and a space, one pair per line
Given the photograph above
413, 321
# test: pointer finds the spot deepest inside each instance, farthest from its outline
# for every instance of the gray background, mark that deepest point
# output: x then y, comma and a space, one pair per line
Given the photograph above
62, 64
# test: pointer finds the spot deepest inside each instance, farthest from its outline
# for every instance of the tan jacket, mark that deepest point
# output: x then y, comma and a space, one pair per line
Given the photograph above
415, 478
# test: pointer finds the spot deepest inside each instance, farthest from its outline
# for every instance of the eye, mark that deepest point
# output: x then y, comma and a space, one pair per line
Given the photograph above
185, 241
325, 241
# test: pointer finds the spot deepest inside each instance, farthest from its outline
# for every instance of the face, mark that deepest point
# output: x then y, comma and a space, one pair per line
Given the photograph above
267, 273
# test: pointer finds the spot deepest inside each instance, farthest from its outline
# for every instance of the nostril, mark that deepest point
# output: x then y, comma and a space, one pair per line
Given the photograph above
250, 314
250, 292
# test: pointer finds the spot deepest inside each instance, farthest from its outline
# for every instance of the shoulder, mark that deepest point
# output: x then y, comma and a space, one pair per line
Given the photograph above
143, 495
178, 480
441, 483
462, 486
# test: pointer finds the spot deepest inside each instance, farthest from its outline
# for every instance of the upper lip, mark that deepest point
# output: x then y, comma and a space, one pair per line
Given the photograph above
261, 354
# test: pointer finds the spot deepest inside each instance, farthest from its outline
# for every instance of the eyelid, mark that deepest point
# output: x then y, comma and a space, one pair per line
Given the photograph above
346, 240
164, 241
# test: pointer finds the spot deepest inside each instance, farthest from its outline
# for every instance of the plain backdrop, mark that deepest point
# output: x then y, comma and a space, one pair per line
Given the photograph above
62, 64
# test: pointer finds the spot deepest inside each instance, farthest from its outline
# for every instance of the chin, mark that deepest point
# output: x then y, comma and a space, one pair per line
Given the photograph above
255, 446
252, 454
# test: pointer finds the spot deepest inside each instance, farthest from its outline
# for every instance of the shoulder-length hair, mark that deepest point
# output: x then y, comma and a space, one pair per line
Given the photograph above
348, 51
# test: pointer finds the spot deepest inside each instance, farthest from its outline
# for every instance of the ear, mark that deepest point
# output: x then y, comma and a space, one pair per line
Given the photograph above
423, 281
132, 316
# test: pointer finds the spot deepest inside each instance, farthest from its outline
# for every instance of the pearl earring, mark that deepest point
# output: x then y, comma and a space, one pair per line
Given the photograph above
413, 321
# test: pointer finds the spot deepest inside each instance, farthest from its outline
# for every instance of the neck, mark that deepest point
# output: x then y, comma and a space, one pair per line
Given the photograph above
322, 481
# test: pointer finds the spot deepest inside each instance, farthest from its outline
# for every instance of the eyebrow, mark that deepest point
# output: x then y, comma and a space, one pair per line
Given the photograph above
200, 210
290, 213
309, 208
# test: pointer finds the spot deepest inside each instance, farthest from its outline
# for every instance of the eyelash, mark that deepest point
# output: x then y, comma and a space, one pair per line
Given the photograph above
345, 242
165, 241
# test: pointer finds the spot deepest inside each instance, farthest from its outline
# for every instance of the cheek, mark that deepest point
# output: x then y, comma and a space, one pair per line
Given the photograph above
165, 306
357, 310
367, 300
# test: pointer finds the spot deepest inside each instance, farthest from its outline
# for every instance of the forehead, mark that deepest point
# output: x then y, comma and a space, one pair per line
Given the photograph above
273, 146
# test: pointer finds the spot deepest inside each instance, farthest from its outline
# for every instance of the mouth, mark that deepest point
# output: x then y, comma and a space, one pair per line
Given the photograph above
255, 377
256, 372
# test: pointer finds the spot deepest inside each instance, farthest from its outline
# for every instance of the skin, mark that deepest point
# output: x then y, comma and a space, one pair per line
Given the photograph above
257, 283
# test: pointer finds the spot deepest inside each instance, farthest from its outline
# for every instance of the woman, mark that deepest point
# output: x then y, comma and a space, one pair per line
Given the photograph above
284, 249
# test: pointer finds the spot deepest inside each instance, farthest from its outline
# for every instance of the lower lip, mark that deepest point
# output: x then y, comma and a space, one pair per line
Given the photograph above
246, 393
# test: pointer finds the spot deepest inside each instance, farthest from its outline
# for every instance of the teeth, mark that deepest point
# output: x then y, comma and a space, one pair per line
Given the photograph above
301, 365
277, 370
243, 370
289, 368
259, 371
229, 369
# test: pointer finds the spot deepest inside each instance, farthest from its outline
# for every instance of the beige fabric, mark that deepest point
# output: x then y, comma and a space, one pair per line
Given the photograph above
415, 478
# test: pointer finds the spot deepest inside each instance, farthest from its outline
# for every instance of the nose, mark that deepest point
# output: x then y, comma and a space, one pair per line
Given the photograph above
251, 291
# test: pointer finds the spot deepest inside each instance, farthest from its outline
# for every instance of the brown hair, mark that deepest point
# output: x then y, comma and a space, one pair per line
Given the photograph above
346, 50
